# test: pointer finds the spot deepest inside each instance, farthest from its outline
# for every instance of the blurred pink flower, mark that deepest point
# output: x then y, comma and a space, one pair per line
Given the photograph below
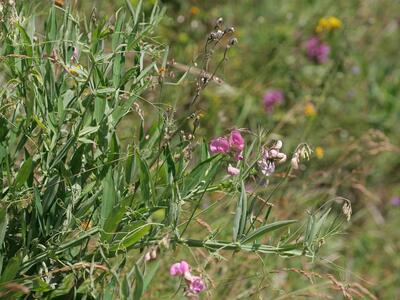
272, 98
232, 170
317, 50
196, 285
179, 268
395, 201
219, 145
236, 140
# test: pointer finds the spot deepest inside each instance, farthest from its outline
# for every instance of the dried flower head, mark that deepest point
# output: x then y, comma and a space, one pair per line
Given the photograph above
346, 209
302, 152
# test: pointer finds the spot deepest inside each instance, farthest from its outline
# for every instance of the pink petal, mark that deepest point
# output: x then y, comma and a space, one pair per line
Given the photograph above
233, 171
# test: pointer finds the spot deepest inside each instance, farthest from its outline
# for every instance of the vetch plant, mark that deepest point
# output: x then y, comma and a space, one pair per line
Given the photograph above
84, 214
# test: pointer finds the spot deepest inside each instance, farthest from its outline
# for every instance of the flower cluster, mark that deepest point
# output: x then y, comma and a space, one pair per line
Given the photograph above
234, 145
194, 284
272, 98
317, 50
327, 24
270, 157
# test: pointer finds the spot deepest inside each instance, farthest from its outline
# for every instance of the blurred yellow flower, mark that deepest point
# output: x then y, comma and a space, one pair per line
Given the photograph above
309, 110
319, 152
328, 23
194, 10
334, 22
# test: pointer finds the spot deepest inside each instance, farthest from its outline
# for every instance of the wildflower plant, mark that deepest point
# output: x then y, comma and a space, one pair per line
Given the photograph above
85, 215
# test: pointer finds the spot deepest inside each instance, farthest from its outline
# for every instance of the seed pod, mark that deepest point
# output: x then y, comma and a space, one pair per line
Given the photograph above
233, 41
295, 161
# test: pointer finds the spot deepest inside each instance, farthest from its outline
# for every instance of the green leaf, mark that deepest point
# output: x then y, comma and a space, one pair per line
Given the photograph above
12, 268
239, 223
198, 174
151, 270
130, 167
139, 287
265, 229
145, 180
64, 150
24, 172
109, 197
99, 108
88, 130
3, 225
139, 231
111, 223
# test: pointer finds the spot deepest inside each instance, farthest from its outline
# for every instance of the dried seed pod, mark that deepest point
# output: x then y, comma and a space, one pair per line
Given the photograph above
295, 161
230, 30
233, 41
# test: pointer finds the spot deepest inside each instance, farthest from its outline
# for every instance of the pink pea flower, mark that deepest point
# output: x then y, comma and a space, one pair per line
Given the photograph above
232, 170
196, 285
395, 201
179, 268
236, 140
272, 98
317, 50
219, 145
